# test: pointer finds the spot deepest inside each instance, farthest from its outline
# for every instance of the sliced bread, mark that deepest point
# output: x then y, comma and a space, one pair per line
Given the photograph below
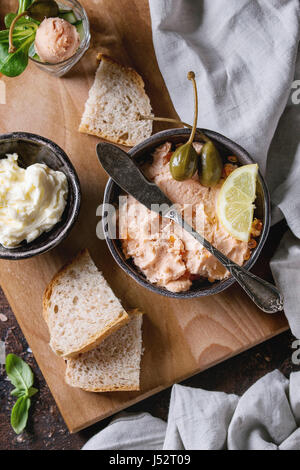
114, 365
80, 308
116, 99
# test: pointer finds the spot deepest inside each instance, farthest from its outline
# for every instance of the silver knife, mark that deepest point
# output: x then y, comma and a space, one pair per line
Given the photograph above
122, 169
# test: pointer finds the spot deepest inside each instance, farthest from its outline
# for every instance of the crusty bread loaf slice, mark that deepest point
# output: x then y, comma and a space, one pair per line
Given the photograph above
114, 365
80, 308
115, 101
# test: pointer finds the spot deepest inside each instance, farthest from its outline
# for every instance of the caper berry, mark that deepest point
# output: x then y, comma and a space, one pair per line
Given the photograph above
184, 161
210, 165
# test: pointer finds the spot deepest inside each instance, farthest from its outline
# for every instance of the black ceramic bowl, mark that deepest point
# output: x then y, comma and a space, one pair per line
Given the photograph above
31, 149
141, 153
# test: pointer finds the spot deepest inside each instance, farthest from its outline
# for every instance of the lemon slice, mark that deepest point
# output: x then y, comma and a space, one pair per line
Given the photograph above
235, 202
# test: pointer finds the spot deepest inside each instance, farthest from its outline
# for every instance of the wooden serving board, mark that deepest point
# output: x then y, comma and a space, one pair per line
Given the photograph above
180, 338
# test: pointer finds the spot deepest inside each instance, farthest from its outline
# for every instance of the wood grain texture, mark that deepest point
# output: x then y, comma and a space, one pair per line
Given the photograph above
181, 337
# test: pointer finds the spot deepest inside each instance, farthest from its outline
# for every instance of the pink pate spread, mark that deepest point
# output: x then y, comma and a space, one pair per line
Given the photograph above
164, 252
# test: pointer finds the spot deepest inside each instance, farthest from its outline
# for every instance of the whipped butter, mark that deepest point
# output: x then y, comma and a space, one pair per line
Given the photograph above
32, 200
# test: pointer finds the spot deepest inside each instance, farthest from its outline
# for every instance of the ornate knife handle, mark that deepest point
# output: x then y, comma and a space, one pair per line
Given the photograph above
265, 295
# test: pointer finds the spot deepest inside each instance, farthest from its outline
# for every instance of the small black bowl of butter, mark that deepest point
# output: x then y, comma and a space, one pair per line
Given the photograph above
39, 195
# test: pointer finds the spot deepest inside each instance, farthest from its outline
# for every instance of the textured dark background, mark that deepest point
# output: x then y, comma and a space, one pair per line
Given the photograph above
46, 428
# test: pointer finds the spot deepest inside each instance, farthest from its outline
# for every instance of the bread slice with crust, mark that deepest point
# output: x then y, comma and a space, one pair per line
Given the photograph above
114, 365
80, 308
116, 99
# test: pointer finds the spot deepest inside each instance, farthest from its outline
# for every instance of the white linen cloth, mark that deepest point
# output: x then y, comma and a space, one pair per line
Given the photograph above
244, 54
266, 417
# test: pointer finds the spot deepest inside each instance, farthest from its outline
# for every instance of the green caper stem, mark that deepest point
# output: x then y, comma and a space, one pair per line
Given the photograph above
154, 118
191, 76
11, 47
175, 121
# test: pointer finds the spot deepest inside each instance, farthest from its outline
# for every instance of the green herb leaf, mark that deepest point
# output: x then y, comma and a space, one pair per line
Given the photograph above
18, 392
14, 64
19, 414
24, 5
21, 376
32, 391
9, 19
23, 21
4, 36
19, 35
18, 372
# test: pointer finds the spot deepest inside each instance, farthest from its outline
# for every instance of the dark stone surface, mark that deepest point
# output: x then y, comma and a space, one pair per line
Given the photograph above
46, 428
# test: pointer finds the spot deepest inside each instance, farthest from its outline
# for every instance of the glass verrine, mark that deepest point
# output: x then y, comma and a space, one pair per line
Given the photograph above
61, 68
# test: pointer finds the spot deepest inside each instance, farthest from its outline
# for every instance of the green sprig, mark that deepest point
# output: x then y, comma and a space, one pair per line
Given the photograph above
21, 376
23, 5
